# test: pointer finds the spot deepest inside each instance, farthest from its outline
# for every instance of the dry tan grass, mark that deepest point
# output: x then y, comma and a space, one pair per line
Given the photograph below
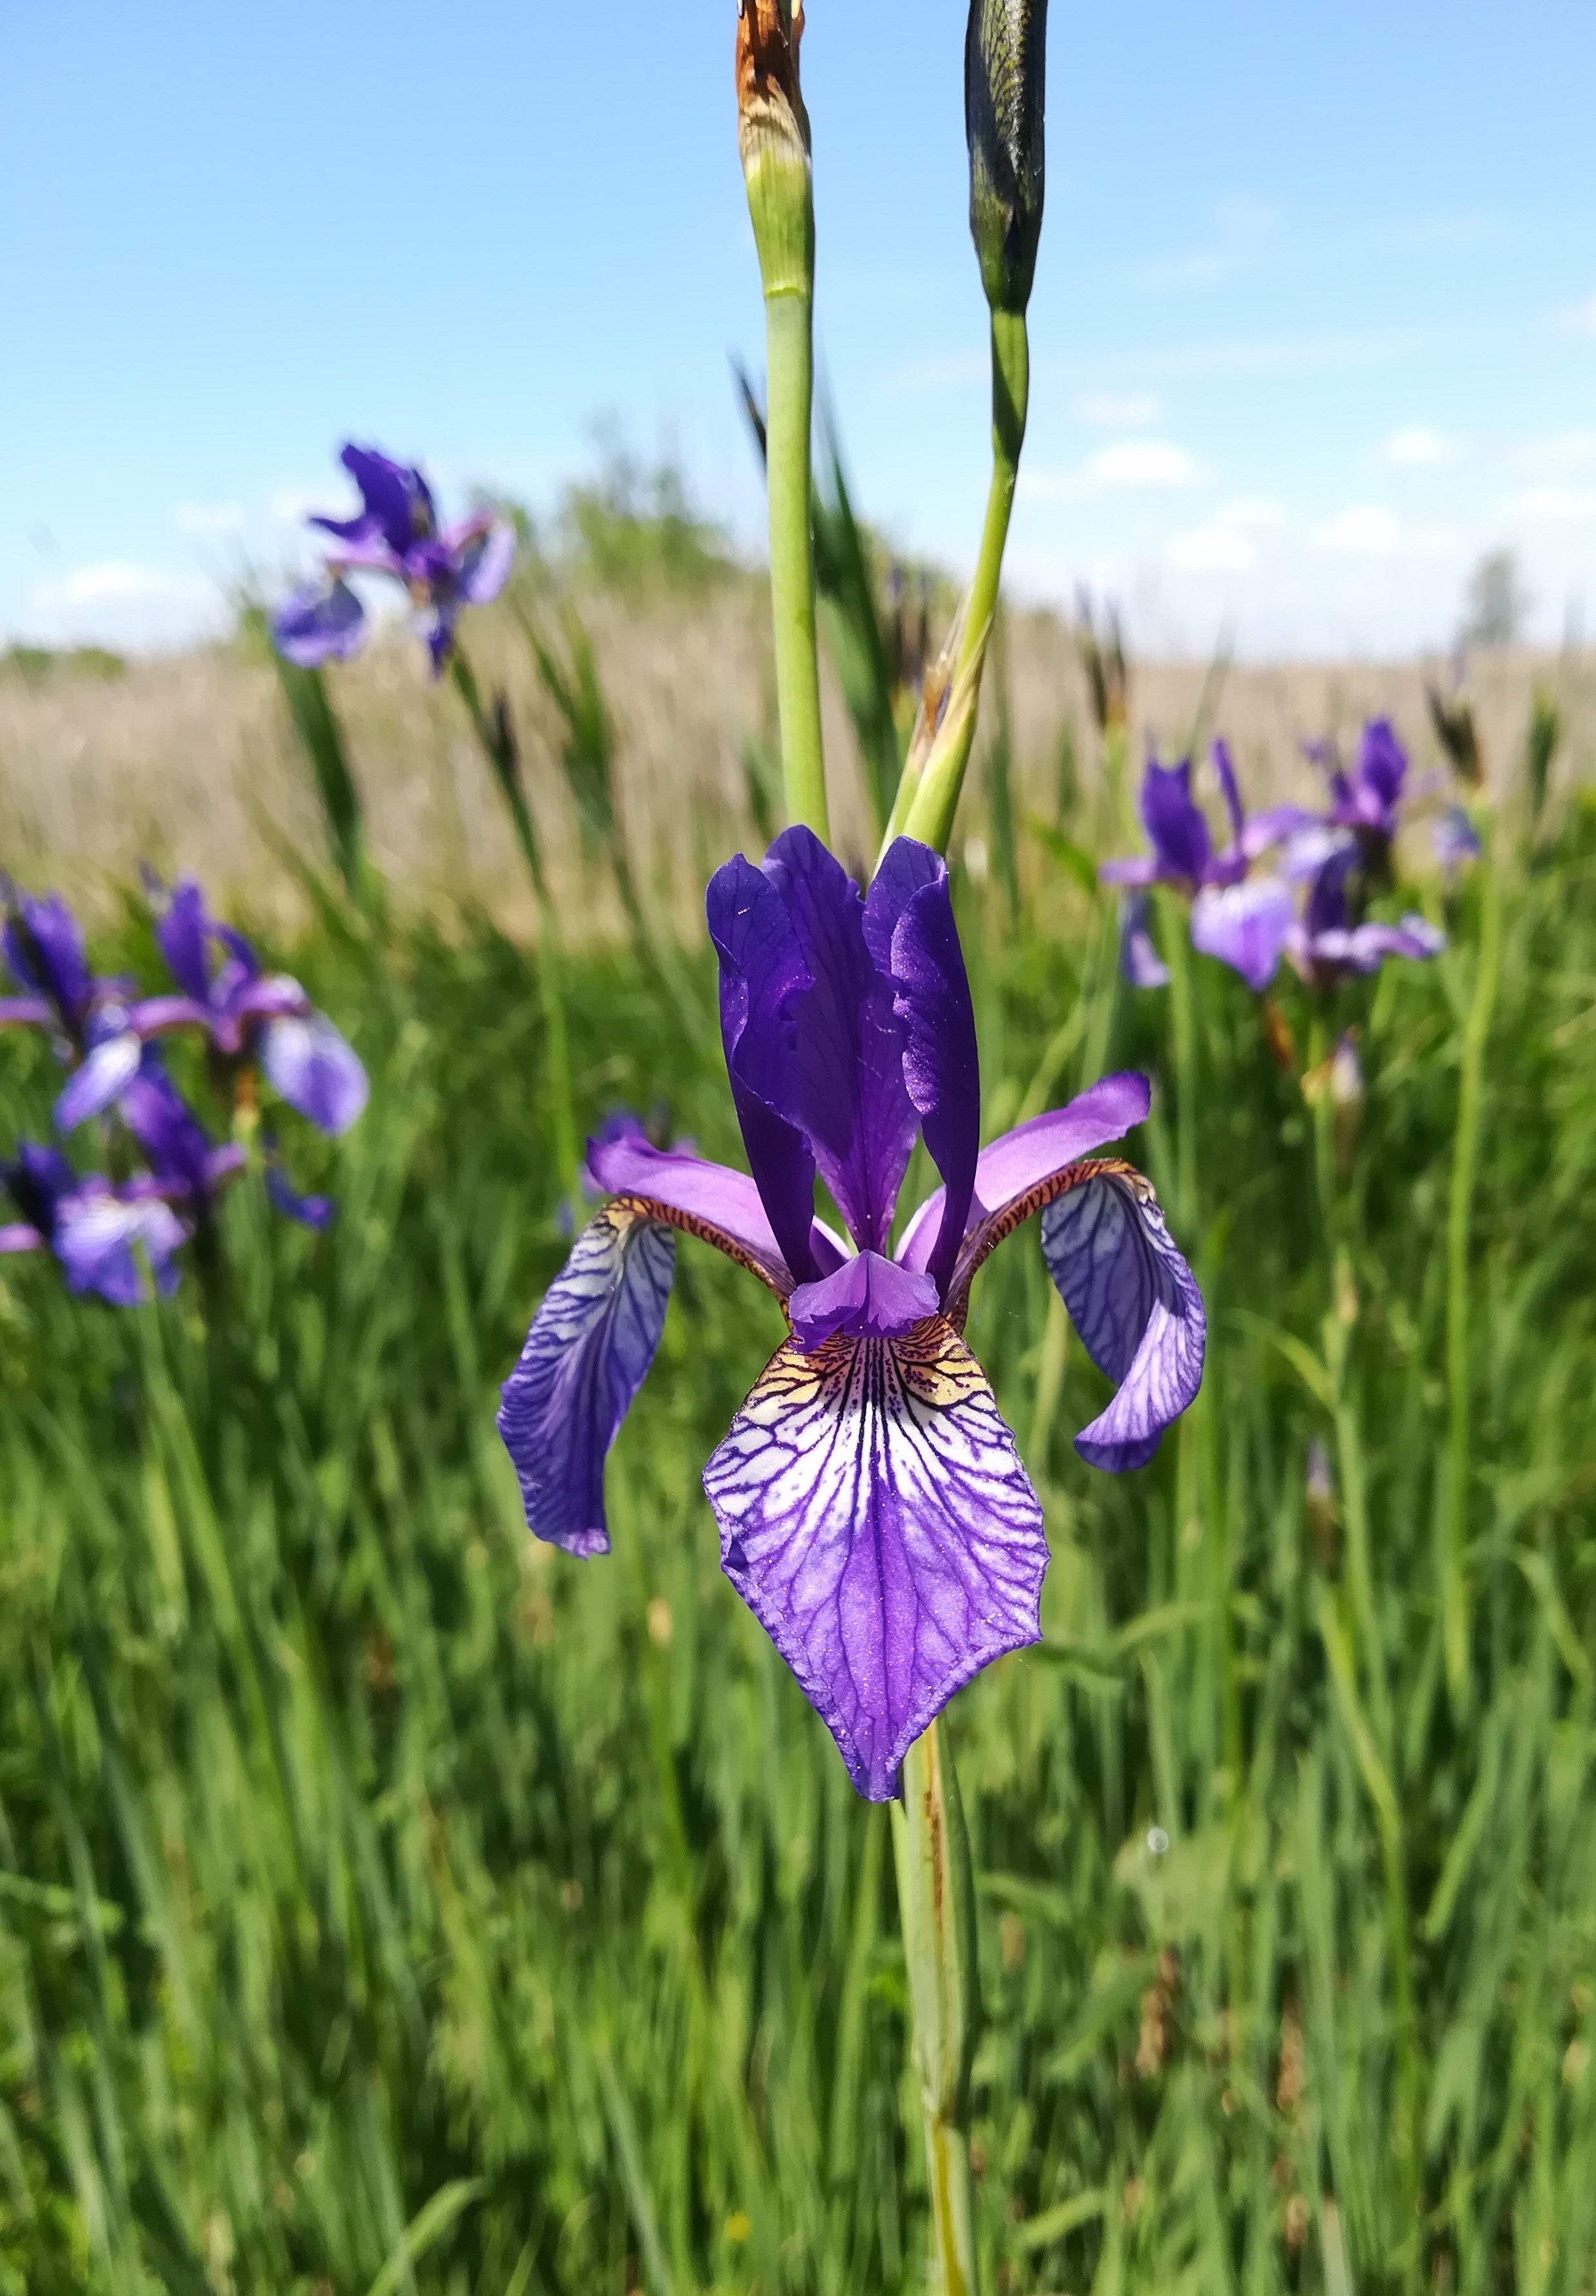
188, 763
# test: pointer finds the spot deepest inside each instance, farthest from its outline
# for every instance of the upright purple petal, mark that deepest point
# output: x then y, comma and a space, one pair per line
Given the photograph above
315, 1069
183, 933
1246, 926
876, 1518
37, 1179
1226, 770
1383, 763
853, 1101
319, 623
44, 947
762, 977
485, 560
867, 1298
586, 1355
1175, 827
910, 932
397, 500
1134, 1302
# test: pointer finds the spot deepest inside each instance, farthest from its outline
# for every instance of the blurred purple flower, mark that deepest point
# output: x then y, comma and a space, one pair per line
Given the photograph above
1177, 829
873, 1511
1140, 963
185, 1164
1455, 841
1246, 926
395, 533
266, 1021
96, 1232
1369, 801
1326, 946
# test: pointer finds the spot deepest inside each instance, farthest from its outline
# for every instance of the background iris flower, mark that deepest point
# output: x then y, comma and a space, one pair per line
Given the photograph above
873, 1508
395, 533
109, 1240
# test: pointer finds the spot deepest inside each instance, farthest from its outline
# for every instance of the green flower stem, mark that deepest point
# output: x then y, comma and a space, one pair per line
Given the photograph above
936, 1893
1454, 1591
925, 807
790, 351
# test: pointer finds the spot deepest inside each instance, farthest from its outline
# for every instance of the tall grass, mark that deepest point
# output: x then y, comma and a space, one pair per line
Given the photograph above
388, 1905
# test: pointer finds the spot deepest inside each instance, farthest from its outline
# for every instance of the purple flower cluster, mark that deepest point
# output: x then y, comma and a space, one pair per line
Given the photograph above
1250, 918
254, 1026
873, 1510
395, 533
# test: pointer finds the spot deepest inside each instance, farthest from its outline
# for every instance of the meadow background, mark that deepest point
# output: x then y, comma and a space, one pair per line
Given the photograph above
386, 1902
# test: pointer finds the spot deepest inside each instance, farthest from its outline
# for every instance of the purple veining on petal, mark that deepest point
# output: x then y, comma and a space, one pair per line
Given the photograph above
586, 1355
852, 1101
1132, 1298
307, 1061
875, 1517
762, 977
1024, 1158
910, 930
865, 1298
1246, 926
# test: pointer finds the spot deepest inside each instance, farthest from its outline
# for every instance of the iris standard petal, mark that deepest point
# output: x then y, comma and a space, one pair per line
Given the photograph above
912, 936
315, 1069
876, 1518
319, 623
99, 1238
1136, 1306
1246, 926
44, 947
1225, 771
1175, 827
184, 936
100, 1080
710, 1201
852, 1101
1382, 764
1011, 1172
762, 976
586, 1355
398, 499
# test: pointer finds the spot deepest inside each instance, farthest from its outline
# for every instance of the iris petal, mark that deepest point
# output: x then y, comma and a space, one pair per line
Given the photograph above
1246, 926
586, 1355
100, 1081
1133, 1300
875, 1517
320, 624
98, 1240
314, 1070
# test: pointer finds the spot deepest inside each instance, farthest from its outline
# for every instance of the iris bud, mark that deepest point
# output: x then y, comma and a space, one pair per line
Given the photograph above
772, 136
1006, 93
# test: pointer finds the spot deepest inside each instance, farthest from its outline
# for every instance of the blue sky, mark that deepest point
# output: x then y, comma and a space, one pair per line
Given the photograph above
1314, 324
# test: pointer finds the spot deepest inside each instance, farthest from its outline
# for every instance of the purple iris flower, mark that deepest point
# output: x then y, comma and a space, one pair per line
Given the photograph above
1140, 963
1326, 946
395, 533
267, 1020
1177, 829
1369, 800
96, 1026
185, 1164
1455, 841
873, 1509
1246, 926
96, 1232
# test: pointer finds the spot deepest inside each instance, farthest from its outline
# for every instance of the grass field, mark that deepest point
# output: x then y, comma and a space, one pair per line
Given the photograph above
387, 1904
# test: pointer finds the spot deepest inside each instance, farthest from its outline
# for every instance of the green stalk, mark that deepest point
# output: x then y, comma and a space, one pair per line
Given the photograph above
935, 1890
790, 352
1455, 1590
927, 801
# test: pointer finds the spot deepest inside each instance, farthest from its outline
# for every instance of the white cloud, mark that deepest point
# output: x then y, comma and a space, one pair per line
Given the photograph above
1553, 505
116, 579
1107, 410
1136, 462
208, 521
1563, 454
1216, 549
120, 602
1364, 531
1416, 447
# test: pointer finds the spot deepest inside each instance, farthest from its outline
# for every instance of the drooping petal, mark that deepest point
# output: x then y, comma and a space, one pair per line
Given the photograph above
710, 1201
1365, 947
1011, 1172
1134, 875
102, 1079
315, 1069
171, 1135
158, 1016
853, 1101
876, 1518
1140, 963
1245, 926
586, 1355
486, 560
17, 1236
1265, 830
867, 1298
99, 1238
762, 976
1136, 1306
319, 623
910, 930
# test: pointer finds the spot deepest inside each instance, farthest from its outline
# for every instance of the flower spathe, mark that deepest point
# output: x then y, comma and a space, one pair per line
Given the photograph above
395, 533
873, 1509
